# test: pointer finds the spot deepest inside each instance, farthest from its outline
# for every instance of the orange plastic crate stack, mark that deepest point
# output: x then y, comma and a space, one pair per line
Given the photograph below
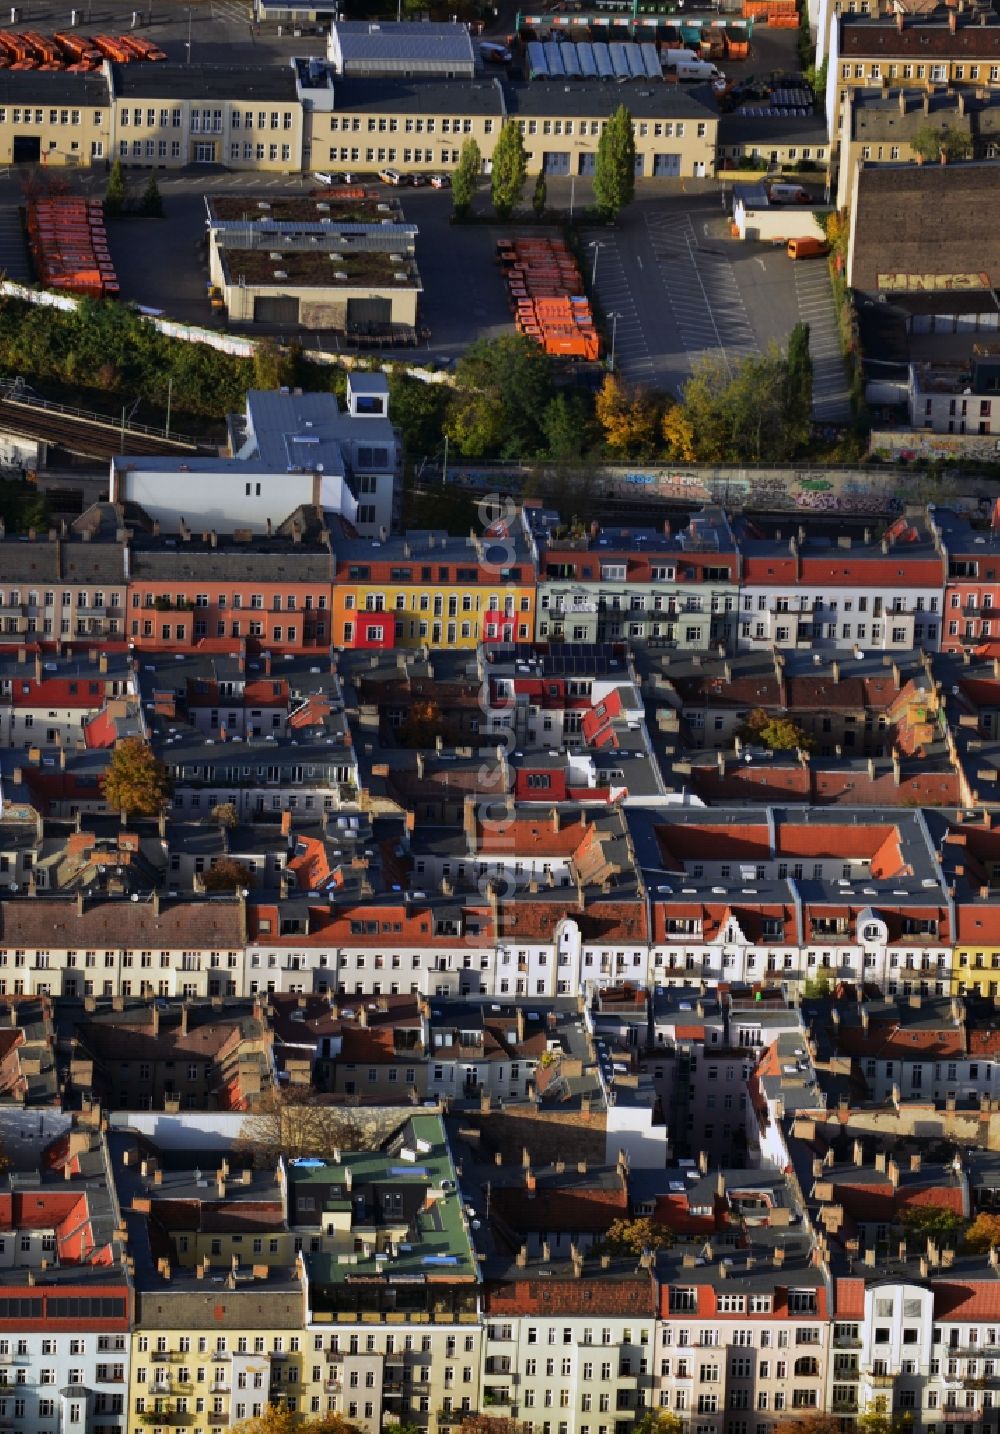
546, 294
70, 247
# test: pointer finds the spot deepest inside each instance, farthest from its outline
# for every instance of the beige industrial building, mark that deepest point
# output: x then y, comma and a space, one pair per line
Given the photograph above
321, 264
245, 117
55, 119
421, 125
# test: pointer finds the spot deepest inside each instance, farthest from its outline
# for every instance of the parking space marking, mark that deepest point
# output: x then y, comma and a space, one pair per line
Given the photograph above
831, 400
701, 289
615, 296
231, 11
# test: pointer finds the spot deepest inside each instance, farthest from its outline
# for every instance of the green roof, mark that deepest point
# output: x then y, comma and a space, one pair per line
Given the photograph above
436, 1246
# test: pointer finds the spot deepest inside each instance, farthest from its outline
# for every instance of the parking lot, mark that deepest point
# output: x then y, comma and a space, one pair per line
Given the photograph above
681, 287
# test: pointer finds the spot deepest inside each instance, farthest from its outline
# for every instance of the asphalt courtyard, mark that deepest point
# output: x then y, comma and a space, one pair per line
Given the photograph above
673, 285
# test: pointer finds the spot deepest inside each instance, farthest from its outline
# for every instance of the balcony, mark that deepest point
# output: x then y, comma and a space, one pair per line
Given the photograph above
842, 1342
880, 1381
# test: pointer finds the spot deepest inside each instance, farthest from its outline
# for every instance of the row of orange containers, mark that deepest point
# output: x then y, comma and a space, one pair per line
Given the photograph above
69, 245
779, 14
30, 50
546, 294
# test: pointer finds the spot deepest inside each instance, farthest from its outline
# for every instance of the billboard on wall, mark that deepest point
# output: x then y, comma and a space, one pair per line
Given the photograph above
902, 283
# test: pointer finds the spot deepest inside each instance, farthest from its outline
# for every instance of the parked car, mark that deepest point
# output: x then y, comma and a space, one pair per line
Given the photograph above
418, 180
390, 176
324, 176
440, 181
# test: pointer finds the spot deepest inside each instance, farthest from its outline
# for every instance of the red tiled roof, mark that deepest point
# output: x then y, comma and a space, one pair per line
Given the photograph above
966, 1299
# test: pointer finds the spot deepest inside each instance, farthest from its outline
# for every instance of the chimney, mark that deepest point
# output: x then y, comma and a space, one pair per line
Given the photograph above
899, 21
952, 21
902, 102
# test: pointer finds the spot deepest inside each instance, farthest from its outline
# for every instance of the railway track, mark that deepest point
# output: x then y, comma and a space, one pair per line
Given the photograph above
88, 437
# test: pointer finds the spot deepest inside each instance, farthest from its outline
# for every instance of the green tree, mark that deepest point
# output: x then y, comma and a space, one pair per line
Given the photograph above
510, 164
502, 388
114, 194
568, 425
945, 1227
540, 196
273, 366
738, 414
659, 1421
614, 172
879, 1419
135, 781
418, 410
465, 178
778, 734
278, 1420
631, 1237
798, 388
929, 142
152, 201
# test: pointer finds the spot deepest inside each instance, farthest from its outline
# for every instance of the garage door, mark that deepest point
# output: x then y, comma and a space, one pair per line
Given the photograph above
588, 163
27, 148
369, 311
667, 166
556, 161
276, 310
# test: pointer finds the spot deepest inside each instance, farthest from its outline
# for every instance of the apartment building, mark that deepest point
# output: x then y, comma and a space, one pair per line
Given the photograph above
370, 947
427, 588
73, 946
67, 1302
204, 592
219, 1290
972, 583
60, 585
845, 898
877, 126
911, 53
197, 1057
393, 1327
742, 1329
808, 592
51, 703
288, 452
678, 590
569, 1341
855, 708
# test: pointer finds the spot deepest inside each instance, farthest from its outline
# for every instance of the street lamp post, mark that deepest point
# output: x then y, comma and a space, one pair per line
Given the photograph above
189, 38
597, 245
614, 335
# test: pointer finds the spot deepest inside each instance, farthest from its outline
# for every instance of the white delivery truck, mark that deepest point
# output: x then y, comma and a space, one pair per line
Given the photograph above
686, 65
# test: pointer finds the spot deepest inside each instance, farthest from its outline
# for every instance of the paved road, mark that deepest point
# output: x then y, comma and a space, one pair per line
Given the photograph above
831, 399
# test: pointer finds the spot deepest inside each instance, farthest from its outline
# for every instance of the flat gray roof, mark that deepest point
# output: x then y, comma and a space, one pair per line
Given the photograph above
252, 83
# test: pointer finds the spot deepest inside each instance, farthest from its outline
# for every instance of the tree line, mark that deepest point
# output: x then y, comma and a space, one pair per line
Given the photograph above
506, 404
613, 177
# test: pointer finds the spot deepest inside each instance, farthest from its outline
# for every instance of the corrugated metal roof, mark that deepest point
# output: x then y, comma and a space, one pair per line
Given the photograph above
390, 43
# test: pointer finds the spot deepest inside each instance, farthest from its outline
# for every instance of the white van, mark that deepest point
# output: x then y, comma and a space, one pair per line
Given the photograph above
698, 70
